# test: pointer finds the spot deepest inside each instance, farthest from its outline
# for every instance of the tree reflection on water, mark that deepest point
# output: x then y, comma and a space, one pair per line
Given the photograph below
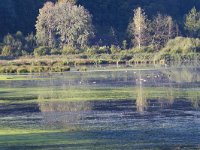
164, 87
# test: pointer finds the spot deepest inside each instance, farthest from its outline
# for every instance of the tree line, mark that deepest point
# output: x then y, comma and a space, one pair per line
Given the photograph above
20, 15
65, 25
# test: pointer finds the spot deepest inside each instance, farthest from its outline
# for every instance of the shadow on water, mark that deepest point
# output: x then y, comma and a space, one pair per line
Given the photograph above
124, 139
8, 109
14, 99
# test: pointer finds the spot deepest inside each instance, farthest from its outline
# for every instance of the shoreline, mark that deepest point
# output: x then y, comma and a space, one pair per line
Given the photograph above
62, 63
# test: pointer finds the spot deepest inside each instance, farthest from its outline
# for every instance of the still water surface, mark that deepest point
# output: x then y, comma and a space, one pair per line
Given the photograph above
124, 109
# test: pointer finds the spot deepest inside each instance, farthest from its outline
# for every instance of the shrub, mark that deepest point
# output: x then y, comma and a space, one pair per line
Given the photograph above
114, 49
124, 44
36, 69
22, 70
103, 50
55, 52
65, 68
16, 42
82, 69
162, 56
3, 70
24, 53
67, 49
178, 49
11, 69
137, 50
41, 51
182, 45
92, 50
7, 51
59, 64
125, 56
56, 69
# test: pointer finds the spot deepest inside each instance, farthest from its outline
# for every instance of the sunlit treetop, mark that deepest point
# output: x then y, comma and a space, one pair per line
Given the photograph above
70, 1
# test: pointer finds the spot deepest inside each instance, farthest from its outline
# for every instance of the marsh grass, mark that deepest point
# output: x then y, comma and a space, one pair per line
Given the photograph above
60, 63
33, 69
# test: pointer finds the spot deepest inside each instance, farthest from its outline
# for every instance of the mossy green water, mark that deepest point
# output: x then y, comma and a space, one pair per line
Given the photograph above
41, 139
10, 77
82, 110
11, 131
30, 95
20, 77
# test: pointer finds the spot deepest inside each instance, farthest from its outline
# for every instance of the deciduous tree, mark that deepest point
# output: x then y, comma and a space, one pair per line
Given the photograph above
162, 29
45, 25
192, 22
138, 28
64, 24
70, 1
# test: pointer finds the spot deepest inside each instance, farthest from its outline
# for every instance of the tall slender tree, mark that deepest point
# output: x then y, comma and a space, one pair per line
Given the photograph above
44, 25
138, 28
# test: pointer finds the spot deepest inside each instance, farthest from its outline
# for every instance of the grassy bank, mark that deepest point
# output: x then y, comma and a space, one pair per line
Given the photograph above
32, 65
62, 63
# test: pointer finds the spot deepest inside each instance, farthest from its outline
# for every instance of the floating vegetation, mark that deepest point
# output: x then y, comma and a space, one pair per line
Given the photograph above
42, 67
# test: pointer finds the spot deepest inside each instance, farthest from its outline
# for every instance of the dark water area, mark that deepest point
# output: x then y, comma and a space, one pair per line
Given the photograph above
129, 109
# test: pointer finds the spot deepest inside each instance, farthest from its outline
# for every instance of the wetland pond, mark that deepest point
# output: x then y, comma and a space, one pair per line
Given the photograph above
120, 109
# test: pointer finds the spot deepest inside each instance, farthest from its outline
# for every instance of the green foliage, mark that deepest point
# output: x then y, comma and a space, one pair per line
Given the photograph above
15, 42
114, 49
182, 45
65, 68
55, 51
63, 24
162, 28
142, 58
8, 69
124, 44
90, 51
24, 53
69, 1
192, 22
138, 28
143, 49
30, 43
19, 44
106, 14
21, 70
41, 51
179, 49
33, 69
67, 49
82, 69
6, 51
103, 50
60, 69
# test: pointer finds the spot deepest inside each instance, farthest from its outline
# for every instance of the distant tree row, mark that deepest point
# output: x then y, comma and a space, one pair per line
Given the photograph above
65, 23
110, 17
156, 33
67, 27
18, 44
